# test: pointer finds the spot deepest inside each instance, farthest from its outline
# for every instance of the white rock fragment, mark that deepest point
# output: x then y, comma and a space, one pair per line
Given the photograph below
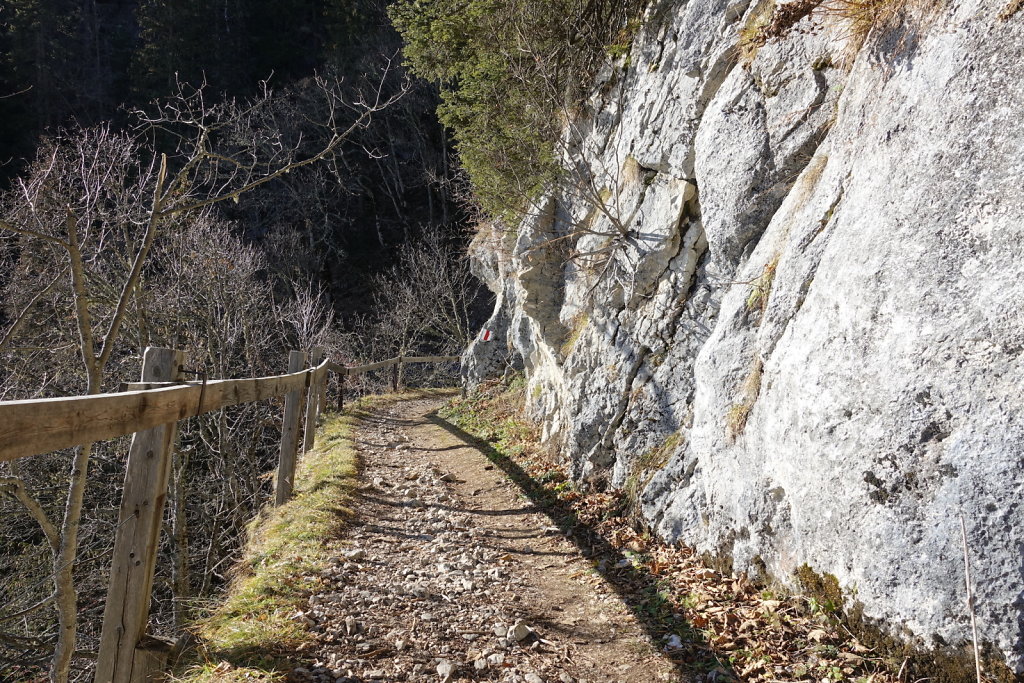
445, 669
520, 632
673, 642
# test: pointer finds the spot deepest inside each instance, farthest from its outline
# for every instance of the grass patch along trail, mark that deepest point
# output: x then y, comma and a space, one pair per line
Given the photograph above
253, 635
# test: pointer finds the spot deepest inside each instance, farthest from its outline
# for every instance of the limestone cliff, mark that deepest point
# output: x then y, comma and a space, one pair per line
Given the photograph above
807, 262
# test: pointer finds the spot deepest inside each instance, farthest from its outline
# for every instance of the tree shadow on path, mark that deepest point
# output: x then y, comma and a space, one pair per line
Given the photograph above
640, 590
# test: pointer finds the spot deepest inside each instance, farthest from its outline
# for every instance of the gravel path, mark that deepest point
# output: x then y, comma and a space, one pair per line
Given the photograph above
449, 574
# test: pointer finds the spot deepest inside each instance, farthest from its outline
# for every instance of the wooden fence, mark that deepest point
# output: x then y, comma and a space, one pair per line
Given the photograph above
151, 410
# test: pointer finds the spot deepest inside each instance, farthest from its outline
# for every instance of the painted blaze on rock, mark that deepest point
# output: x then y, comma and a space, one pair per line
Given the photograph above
818, 290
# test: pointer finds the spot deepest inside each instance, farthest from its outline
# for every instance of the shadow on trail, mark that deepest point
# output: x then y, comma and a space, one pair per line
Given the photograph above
637, 588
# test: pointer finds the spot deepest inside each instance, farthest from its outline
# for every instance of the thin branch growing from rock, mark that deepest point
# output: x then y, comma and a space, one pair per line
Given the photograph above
970, 599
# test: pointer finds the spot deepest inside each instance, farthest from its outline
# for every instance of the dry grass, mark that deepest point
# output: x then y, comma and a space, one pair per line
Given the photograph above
900, 19
761, 288
857, 19
251, 634
736, 417
752, 34
860, 18
1011, 9
808, 180
579, 323
644, 469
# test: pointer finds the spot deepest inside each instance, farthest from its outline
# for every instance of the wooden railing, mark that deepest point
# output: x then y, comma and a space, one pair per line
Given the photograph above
151, 410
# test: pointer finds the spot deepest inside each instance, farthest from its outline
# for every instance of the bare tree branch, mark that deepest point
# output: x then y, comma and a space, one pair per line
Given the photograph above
20, 319
5, 225
15, 487
132, 280
328, 149
28, 610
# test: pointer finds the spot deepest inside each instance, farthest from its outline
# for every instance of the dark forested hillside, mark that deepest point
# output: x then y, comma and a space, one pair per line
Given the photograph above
72, 62
233, 179
66, 60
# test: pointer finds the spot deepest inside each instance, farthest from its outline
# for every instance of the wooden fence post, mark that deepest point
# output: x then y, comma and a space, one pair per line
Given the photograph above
394, 374
341, 393
290, 433
123, 656
312, 402
321, 397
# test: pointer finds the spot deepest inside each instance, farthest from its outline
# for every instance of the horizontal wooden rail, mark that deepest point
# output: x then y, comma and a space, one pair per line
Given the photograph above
360, 369
48, 424
318, 371
151, 410
36, 426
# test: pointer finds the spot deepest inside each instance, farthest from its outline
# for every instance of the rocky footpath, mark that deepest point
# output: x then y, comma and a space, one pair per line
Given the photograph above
448, 575
799, 264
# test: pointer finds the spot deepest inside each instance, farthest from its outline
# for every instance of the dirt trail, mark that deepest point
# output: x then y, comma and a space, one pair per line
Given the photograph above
445, 559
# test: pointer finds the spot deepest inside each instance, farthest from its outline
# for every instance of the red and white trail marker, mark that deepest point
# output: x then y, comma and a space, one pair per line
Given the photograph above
486, 335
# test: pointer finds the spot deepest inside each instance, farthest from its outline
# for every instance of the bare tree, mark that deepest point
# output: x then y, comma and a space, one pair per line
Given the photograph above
310, 316
425, 302
98, 200
219, 308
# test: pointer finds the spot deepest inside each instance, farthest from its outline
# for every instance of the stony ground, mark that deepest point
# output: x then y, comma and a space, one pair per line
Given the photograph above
450, 574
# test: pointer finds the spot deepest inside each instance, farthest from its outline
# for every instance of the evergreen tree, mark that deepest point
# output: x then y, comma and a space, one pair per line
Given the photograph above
38, 33
60, 61
194, 41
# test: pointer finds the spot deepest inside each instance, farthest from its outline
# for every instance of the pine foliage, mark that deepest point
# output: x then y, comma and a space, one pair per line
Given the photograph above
512, 72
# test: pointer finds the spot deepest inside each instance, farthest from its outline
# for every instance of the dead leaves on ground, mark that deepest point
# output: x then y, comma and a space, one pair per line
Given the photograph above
724, 624
720, 626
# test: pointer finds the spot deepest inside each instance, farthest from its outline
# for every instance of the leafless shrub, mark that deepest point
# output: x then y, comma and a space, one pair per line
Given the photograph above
310, 315
113, 246
424, 305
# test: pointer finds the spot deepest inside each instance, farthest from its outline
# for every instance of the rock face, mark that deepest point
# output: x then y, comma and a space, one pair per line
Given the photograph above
807, 270
493, 355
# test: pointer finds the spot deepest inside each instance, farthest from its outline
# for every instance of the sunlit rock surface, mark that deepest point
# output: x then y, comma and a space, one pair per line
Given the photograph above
811, 268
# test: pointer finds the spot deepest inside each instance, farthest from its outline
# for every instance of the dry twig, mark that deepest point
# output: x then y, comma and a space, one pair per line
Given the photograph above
970, 599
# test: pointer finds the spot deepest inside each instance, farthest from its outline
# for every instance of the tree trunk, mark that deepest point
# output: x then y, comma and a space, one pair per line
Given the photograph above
181, 579
64, 566
66, 603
